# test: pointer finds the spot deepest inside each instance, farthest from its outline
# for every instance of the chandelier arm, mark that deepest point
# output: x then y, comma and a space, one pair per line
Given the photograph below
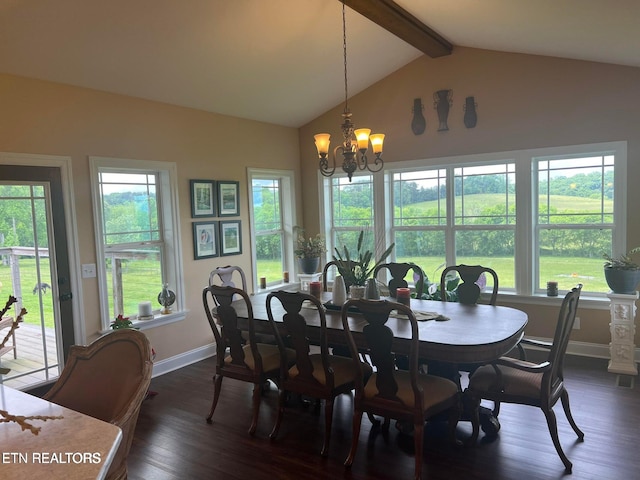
324, 165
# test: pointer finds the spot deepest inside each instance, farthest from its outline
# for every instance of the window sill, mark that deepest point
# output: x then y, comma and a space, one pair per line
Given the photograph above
594, 302
157, 321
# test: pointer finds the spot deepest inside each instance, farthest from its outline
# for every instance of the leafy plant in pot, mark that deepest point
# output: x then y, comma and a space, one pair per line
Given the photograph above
622, 273
309, 250
357, 269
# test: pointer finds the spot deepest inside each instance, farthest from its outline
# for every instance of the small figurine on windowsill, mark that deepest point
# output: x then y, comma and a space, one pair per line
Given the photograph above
166, 298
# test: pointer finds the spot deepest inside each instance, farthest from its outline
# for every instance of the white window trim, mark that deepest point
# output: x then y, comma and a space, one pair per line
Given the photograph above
288, 211
168, 175
524, 254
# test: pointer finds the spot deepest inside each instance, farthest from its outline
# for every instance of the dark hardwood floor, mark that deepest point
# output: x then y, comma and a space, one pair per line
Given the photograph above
173, 441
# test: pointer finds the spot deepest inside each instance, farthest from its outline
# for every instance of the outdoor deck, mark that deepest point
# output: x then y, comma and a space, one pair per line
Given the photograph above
30, 358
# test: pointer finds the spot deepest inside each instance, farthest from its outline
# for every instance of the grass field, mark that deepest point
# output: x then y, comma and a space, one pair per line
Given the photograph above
567, 271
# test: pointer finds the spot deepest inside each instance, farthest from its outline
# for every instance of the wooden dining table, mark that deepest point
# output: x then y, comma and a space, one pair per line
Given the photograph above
43, 440
454, 332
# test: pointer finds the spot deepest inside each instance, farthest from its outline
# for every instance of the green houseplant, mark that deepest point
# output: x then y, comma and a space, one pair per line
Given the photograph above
622, 273
308, 250
356, 269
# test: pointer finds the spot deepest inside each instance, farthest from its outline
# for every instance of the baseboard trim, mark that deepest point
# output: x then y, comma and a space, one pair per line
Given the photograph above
183, 359
583, 349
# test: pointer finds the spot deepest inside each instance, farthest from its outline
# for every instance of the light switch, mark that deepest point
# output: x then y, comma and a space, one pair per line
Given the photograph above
88, 270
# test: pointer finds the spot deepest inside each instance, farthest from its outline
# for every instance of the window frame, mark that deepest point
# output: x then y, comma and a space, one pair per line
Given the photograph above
169, 222
286, 179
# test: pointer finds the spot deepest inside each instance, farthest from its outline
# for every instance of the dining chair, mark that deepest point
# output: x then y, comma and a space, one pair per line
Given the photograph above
404, 395
468, 289
317, 375
247, 361
398, 272
108, 380
536, 384
227, 276
325, 274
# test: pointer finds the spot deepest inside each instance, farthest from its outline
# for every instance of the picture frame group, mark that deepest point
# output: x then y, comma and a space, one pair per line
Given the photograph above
210, 198
217, 238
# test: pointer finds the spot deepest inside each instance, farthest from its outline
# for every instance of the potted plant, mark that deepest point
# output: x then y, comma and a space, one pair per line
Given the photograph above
357, 269
309, 250
621, 272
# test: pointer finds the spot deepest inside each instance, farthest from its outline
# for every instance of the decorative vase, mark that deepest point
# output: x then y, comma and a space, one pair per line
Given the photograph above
356, 292
418, 123
371, 291
442, 100
622, 281
309, 265
339, 292
470, 115
166, 298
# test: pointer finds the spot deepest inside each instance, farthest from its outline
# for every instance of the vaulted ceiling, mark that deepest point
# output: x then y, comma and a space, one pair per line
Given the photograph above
280, 61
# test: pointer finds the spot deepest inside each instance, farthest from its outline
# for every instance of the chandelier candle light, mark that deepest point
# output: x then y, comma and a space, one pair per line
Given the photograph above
354, 154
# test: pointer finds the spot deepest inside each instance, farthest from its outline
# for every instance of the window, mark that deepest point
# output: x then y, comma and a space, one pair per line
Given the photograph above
136, 233
575, 220
272, 217
532, 215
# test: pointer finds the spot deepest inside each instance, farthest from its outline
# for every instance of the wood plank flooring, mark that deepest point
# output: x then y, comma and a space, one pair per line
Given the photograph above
173, 441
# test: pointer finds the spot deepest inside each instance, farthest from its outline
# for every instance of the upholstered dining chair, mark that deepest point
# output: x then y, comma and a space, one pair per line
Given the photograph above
404, 395
108, 380
317, 375
247, 361
227, 276
539, 385
398, 272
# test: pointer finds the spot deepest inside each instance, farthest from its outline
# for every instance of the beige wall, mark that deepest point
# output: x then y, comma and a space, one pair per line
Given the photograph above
524, 102
46, 118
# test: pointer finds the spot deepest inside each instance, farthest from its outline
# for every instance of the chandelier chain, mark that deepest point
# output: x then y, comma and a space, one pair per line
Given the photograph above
344, 49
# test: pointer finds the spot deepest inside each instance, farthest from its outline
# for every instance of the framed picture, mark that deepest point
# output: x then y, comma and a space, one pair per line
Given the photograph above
202, 198
230, 238
205, 240
228, 199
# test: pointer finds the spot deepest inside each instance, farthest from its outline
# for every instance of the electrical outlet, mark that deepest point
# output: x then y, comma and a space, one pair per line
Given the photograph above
88, 270
576, 324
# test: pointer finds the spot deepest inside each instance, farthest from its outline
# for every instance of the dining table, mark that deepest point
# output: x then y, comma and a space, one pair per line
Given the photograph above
448, 331
43, 440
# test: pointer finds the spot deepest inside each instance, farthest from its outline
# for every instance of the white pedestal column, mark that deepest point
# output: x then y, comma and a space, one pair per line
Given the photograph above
623, 330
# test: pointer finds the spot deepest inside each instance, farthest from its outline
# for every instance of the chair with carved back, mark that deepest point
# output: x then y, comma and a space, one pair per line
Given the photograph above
108, 380
228, 276
540, 385
317, 375
404, 395
247, 361
325, 274
398, 272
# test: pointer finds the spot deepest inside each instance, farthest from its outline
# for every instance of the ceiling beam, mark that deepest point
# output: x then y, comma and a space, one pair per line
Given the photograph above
392, 17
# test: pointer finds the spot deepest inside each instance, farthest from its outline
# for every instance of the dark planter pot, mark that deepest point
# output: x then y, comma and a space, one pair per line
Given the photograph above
309, 265
622, 281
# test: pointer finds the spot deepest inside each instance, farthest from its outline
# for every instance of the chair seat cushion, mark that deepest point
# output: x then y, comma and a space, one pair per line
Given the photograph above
270, 357
343, 369
434, 389
515, 382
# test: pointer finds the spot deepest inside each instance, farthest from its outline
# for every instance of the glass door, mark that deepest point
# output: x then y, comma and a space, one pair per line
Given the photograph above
34, 269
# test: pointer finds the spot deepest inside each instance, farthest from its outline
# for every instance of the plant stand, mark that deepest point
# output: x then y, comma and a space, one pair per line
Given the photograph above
623, 329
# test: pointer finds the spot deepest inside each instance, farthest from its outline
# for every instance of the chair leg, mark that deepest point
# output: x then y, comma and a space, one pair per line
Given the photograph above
217, 382
281, 400
357, 420
564, 397
257, 391
328, 419
553, 430
496, 408
418, 441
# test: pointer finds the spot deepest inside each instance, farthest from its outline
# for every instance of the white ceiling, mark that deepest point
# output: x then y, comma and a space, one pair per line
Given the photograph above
280, 61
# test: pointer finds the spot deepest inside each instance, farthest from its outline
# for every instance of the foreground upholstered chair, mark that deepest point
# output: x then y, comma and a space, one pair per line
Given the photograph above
398, 271
248, 361
539, 385
407, 396
108, 380
317, 375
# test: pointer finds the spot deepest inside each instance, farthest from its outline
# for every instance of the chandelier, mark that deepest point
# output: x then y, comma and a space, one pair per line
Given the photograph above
354, 153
